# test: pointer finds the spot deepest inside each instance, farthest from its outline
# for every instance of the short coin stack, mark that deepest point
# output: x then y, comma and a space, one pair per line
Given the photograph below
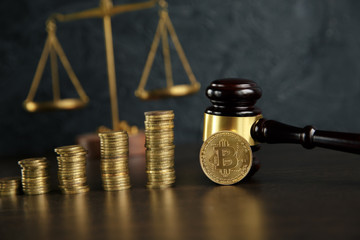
159, 138
72, 169
35, 175
114, 148
9, 185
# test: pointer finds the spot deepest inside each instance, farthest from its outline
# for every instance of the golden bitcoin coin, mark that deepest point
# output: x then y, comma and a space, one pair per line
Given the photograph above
225, 157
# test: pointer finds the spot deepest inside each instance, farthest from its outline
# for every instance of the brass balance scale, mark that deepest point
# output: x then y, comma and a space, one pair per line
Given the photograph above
106, 10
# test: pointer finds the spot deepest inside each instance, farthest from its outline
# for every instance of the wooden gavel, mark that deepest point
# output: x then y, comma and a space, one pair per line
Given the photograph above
234, 110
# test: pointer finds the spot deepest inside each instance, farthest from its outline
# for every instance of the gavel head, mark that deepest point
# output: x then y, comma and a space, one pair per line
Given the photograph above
233, 97
226, 154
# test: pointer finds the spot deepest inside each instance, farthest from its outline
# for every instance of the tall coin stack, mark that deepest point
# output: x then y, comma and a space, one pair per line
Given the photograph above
72, 169
35, 175
159, 138
114, 148
9, 185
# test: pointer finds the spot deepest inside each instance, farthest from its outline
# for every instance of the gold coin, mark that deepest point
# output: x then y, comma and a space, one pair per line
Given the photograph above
36, 192
114, 153
117, 188
113, 133
69, 148
119, 185
65, 169
159, 125
34, 180
159, 156
72, 176
159, 185
72, 164
157, 134
10, 180
7, 193
36, 188
170, 170
108, 147
71, 156
159, 113
113, 168
159, 163
109, 178
159, 118
117, 181
225, 157
150, 140
34, 171
165, 149
115, 165
73, 181
161, 176
33, 162
115, 174
75, 190
158, 147
115, 141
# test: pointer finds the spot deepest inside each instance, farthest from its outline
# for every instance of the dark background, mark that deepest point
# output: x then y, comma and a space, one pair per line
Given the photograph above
303, 53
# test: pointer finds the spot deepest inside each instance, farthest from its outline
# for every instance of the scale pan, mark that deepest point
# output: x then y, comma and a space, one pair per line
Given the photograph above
62, 104
174, 91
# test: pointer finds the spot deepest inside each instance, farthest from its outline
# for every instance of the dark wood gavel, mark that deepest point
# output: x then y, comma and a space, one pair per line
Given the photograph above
233, 109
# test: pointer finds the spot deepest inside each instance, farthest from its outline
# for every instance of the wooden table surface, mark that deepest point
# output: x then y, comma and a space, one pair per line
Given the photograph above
297, 194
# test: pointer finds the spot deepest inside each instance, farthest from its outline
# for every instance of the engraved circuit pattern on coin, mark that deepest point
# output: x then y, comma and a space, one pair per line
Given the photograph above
226, 157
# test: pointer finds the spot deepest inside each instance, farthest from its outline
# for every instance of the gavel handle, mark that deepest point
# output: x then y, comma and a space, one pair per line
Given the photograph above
270, 131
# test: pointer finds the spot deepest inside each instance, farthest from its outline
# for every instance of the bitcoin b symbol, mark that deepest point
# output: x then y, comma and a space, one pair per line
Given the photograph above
226, 157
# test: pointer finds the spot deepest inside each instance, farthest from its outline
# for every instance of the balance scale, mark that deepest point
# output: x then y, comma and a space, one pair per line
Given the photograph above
53, 51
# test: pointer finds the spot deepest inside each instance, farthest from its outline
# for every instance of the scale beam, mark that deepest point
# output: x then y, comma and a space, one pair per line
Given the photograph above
100, 12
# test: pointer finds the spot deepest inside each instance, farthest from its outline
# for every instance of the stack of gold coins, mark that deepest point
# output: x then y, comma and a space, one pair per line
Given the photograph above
114, 148
35, 175
9, 185
159, 138
72, 169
